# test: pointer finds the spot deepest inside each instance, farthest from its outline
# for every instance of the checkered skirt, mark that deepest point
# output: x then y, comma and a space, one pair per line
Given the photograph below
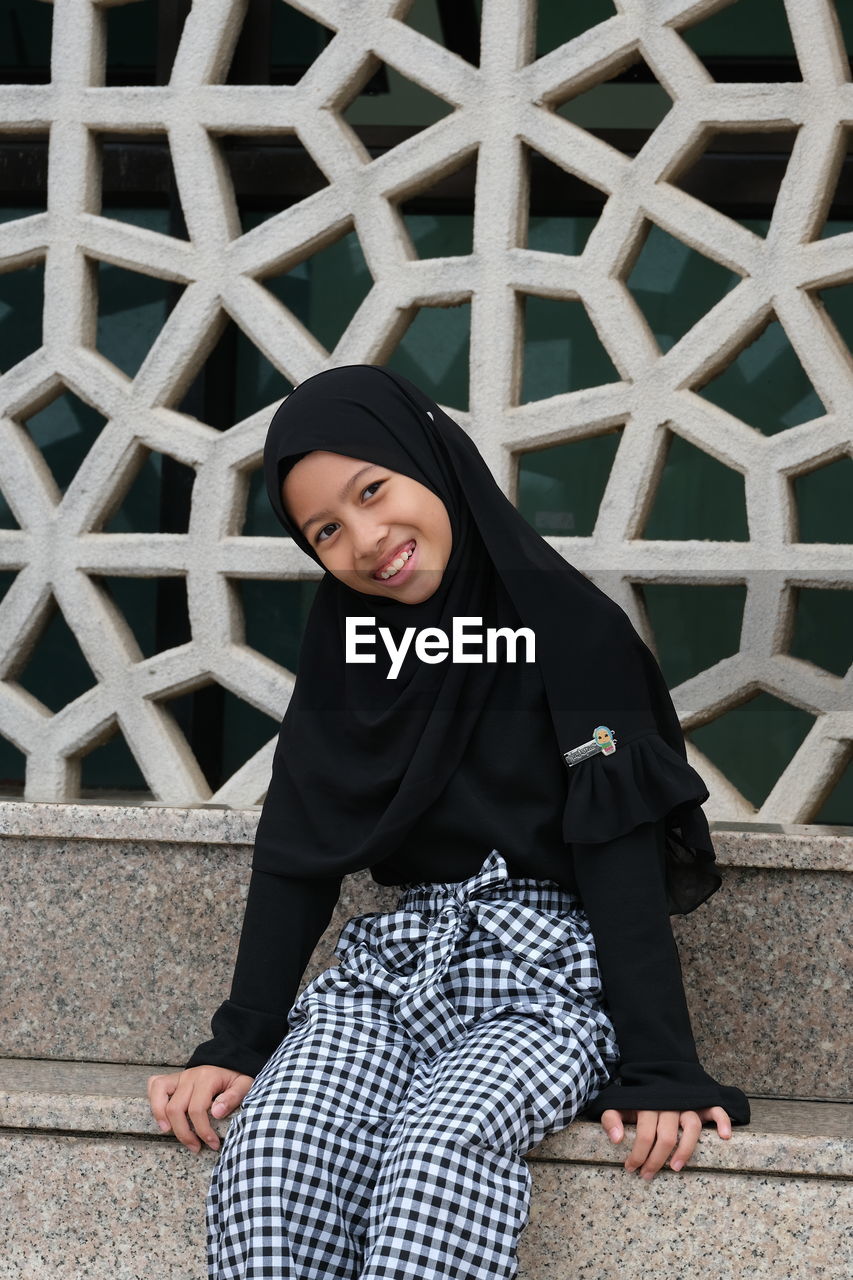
385, 1136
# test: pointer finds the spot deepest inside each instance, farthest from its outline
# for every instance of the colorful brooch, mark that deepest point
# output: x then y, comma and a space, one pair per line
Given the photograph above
603, 740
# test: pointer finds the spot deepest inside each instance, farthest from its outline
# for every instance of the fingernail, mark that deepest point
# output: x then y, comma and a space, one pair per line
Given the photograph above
648, 1176
214, 1146
676, 1165
614, 1135
164, 1125
218, 1108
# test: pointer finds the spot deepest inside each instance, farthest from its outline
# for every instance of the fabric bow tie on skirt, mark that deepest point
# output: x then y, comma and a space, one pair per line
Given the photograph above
534, 933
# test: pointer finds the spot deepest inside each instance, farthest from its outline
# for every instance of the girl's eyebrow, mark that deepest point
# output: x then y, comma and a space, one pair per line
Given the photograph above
343, 493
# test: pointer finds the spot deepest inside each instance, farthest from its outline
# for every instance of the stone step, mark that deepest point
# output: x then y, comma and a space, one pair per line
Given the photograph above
90, 1187
122, 924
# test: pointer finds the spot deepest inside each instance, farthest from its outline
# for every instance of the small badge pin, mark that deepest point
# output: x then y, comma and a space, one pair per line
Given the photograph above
603, 741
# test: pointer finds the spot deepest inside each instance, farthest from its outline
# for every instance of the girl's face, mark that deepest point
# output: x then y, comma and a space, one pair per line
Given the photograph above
359, 517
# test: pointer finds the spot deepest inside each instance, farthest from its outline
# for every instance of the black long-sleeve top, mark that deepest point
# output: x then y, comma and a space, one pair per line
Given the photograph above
493, 802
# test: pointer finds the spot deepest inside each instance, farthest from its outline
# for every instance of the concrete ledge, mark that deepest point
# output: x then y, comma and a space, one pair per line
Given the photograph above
119, 950
89, 1187
117, 1208
809, 1139
818, 847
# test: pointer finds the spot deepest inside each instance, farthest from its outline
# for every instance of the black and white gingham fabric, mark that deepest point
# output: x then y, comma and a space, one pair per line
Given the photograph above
385, 1135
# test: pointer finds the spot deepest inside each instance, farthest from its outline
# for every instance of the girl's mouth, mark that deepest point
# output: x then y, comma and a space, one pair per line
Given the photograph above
403, 572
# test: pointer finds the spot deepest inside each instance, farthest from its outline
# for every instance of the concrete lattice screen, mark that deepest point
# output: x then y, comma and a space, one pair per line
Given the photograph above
500, 110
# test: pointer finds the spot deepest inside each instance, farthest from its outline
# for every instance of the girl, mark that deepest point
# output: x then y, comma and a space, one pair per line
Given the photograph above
543, 823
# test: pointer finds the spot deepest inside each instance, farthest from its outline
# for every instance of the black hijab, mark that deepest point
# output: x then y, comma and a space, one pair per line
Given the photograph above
360, 758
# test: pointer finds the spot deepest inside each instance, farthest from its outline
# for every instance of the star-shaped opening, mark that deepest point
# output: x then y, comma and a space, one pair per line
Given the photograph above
562, 351
560, 488
696, 497
765, 385
673, 284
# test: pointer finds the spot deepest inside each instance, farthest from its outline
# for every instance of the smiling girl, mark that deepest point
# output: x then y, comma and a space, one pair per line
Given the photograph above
542, 822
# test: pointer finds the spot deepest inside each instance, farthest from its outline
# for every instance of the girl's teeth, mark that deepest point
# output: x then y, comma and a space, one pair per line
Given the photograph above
396, 565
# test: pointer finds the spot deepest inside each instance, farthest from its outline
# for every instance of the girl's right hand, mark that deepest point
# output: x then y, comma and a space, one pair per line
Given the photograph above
189, 1094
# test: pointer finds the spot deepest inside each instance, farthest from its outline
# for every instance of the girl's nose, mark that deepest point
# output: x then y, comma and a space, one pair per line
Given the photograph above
367, 539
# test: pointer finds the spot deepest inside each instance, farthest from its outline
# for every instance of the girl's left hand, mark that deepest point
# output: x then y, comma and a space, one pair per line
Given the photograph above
657, 1134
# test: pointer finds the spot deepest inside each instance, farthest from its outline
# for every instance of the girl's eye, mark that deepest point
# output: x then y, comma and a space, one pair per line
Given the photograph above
374, 485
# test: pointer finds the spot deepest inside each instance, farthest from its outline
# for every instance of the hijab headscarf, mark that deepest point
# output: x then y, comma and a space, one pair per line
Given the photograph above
361, 758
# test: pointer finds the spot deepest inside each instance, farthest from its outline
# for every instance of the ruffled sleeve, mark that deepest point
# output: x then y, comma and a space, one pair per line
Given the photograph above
622, 888
642, 781
283, 921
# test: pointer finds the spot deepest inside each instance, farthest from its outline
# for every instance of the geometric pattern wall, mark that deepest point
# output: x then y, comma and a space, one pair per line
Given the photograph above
499, 110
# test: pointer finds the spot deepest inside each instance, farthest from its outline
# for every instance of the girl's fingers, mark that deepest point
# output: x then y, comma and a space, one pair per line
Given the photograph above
160, 1089
176, 1113
722, 1120
643, 1140
691, 1127
657, 1133
613, 1123
198, 1114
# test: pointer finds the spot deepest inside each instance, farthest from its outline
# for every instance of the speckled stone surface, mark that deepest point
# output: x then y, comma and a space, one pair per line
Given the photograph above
120, 939
599, 1223
130, 1207
123, 953
819, 846
767, 965
100, 1208
812, 1138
